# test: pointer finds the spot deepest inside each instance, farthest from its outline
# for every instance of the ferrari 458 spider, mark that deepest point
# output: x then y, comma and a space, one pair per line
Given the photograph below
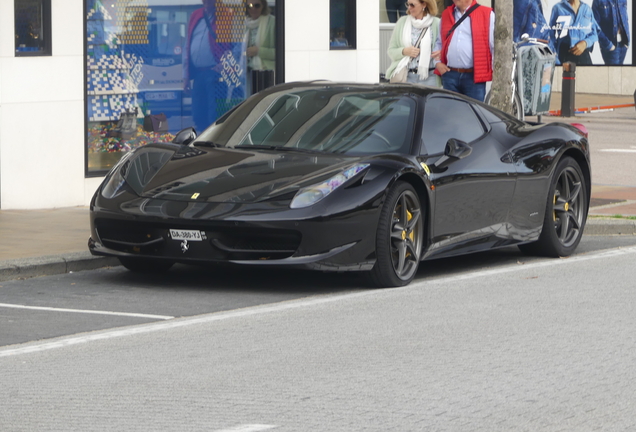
346, 177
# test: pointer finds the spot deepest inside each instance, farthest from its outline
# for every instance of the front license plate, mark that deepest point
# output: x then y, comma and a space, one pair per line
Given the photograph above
190, 235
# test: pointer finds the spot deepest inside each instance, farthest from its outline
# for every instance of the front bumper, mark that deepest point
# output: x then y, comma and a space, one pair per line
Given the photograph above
246, 234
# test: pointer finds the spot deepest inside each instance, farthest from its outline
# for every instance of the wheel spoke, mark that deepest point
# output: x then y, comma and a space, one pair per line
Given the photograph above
574, 196
396, 232
559, 206
403, 211
415, 217
565, 226
565, 185
412, 249
401, 249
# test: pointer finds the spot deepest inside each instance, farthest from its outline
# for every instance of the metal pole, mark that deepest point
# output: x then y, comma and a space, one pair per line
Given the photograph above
568, 92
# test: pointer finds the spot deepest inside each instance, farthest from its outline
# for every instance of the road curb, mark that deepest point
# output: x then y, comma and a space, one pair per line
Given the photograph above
606, 226
49, 265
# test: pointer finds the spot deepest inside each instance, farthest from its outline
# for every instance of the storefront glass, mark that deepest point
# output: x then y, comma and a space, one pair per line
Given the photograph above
155, 67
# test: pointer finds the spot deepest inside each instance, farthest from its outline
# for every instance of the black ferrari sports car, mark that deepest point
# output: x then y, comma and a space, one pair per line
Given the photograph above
347, 177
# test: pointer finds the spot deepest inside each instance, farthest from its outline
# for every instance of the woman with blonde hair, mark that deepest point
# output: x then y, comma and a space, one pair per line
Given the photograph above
420, 24
260, 38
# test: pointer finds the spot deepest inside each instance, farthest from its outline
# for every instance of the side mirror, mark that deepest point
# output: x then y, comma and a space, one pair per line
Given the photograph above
454, 150
185, 136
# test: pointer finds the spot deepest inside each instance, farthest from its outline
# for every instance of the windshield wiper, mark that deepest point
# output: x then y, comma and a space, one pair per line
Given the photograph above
207, 144
276, 148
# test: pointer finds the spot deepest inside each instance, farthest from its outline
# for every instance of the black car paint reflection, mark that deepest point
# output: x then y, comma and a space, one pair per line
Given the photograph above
238, 183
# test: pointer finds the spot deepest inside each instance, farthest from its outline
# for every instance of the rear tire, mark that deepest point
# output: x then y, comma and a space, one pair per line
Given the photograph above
399, 237
145, 265
565, 213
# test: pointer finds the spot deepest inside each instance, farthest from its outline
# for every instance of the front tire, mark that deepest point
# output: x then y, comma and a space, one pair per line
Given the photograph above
145, 265
399, 238
565, 214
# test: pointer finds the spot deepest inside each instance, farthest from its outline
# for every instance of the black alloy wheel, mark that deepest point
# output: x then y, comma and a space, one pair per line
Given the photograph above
399, 238
566, 212
145, 265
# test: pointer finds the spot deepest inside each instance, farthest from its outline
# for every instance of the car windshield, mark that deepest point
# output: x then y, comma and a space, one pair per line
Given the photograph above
325, 120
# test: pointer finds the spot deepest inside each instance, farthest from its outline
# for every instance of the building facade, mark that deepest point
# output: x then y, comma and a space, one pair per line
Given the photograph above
84, 81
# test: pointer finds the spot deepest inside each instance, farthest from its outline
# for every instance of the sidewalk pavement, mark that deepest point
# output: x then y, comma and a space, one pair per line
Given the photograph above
55, 241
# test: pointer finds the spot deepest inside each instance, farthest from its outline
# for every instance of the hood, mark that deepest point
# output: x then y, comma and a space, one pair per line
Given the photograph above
233, 175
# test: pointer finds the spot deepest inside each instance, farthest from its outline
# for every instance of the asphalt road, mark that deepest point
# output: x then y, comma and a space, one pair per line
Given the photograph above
66, 304
492, 341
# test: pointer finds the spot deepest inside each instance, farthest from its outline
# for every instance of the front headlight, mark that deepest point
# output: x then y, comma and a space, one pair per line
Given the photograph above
312, 194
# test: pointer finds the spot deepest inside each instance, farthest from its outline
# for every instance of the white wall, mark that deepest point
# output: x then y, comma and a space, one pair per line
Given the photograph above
42, 115
307, 54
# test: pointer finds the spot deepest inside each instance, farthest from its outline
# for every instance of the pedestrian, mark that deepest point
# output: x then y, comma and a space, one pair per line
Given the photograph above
202, 64
467, 48
259, 39
422, 24
574, 30
395, 9
529, 19
613, 36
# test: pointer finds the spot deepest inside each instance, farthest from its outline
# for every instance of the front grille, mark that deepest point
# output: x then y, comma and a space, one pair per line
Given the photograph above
223, 241
254, 245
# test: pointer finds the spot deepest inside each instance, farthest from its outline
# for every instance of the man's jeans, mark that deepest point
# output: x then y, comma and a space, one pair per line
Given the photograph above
393, 7
204, 90
616, 57
464, 83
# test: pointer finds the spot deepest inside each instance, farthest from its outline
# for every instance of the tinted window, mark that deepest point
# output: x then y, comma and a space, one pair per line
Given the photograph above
324, 120
32, 27
446, 118
342, 24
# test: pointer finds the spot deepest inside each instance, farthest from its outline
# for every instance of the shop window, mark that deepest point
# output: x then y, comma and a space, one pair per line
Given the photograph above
32, 27
156, 67
342, 24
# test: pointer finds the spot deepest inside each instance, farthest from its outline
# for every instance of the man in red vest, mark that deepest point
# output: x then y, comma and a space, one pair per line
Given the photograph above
466, 49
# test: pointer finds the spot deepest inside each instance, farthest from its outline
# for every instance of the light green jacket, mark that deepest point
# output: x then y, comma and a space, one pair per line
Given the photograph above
396, 46
267, 51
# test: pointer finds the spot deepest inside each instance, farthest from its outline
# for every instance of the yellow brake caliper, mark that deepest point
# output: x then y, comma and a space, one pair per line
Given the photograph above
410, 235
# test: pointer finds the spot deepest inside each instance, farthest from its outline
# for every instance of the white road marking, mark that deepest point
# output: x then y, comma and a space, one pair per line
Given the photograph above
66, 341
82, 311
618, 150
247, 428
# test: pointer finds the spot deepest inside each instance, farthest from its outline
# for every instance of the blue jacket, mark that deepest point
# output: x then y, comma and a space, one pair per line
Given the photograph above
580, 26
529, 19
609, 14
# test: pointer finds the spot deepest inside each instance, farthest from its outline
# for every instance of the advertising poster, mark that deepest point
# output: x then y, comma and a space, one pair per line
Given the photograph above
586, 32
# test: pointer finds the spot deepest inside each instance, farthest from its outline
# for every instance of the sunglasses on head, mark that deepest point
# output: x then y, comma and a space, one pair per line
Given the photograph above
254, 5
410, 5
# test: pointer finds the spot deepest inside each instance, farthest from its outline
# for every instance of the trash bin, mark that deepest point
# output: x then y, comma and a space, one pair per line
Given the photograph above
535, 70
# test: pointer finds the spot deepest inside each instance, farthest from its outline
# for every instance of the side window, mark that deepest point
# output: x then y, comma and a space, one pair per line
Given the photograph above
32, 28
446, 118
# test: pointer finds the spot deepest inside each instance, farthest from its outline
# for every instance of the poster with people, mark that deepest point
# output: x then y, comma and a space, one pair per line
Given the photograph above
586, 32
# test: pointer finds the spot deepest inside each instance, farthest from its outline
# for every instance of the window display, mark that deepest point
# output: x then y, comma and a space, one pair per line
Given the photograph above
155, 67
